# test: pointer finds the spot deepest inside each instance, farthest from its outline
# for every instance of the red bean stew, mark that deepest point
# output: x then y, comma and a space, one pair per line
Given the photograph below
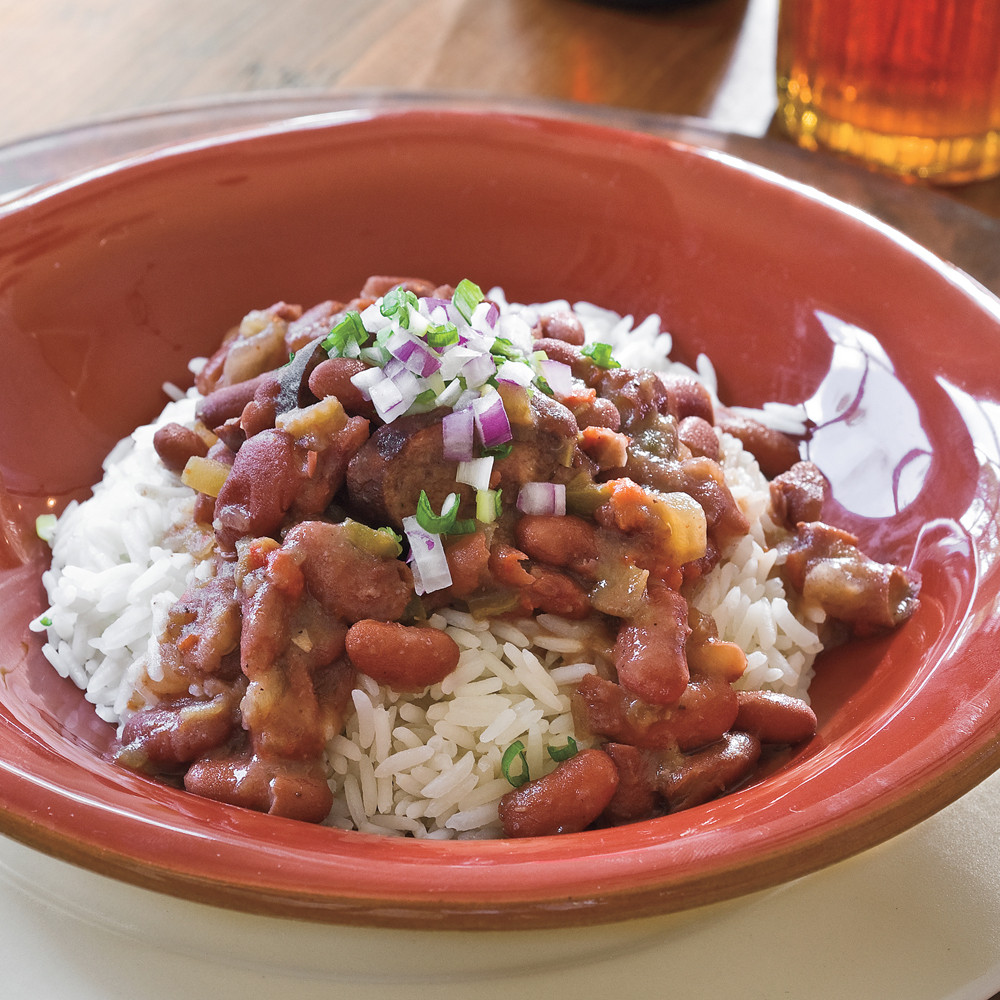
359, 464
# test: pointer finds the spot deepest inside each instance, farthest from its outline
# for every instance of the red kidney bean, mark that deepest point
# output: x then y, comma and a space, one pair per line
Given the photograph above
774, 717
562, 326
700, 437
333, 378
559, 350
566, 800
704, 712
704, 775
178, 732
775, 452
598, 413
228, 401
257, 494
404, 657
650, 654
295, 789
262, 411
559, 540
175, 444
378, 284
689, 397
636, 796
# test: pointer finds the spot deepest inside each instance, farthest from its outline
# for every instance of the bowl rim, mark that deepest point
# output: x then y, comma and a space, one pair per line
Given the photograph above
568, 897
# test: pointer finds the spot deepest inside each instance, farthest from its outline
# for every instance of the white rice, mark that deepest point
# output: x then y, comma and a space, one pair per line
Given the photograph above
427, 765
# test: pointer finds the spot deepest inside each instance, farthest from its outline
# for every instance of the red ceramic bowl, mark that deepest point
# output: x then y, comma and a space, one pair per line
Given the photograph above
109, 282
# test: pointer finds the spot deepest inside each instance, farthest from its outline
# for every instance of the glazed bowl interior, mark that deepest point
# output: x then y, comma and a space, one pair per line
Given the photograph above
111, 281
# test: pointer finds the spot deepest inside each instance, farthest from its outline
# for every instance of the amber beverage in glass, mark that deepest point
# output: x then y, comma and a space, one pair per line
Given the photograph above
908, 86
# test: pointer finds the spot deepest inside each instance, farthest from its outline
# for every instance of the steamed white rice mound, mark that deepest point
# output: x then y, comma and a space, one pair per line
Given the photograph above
426, 765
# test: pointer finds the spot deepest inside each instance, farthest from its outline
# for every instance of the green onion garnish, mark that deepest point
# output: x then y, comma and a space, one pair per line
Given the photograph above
487, 506
467, 296
45, 622
515, 750
396, 304
347, 338
504, 348
563, 753
498, 450
442, 336
437, 524
600, 354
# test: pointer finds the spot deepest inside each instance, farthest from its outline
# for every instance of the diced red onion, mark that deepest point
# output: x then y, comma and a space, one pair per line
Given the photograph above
491, 420
475, 473
450, 394
457, 433
515, 372
465, 398
413, 353
387, 400
485, 316
427, 558
542, 498
559, 376
407, 383
372, 318
455, 359
514, 328
363, 381
478, 369
431, 303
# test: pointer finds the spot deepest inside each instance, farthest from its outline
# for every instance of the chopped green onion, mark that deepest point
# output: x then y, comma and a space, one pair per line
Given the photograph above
437, 524
563, 753
487, 506
45, 622
467, 296
45, 526
498, 450
600, 354
515, 750
543, 384
505, 348
396, 304
442, 335
347, 337
376, 356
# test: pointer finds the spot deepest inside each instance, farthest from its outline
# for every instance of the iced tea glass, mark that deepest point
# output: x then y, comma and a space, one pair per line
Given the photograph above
908, 86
